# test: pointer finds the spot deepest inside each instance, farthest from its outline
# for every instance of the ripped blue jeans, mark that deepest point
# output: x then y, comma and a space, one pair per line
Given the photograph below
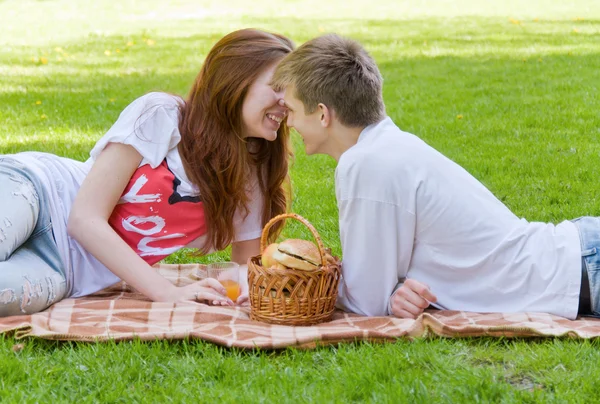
589, 234
32, 275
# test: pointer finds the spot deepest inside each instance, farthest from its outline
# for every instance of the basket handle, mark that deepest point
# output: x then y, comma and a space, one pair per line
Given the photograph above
265, 233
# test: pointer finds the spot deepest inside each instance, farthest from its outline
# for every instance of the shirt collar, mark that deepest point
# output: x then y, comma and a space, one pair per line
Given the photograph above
365, 132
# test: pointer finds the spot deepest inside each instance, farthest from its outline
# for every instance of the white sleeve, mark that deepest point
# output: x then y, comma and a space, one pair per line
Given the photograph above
389, 305
377, 241
150, 124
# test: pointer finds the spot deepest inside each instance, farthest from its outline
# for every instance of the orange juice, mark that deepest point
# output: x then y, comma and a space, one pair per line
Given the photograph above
232, 288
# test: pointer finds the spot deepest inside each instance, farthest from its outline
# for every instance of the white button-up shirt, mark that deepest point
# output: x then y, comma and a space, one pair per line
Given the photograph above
406, 211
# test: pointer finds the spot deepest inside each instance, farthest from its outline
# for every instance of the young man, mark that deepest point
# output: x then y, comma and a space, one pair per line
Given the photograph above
416, 228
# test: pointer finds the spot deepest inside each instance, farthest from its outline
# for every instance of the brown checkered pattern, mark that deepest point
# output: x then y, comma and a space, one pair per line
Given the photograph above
119, 313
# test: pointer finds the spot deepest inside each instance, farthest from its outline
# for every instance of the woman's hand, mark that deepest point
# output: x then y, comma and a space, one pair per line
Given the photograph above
411, 299
208, 291
242, 300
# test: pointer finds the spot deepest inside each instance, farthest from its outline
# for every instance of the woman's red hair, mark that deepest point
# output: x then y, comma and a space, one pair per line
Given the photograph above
215, 155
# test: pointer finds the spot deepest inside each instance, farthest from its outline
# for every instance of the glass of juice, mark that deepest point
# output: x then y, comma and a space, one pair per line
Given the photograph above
228, 274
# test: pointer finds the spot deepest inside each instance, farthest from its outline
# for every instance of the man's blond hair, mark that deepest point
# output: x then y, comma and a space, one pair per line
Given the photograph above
337, 72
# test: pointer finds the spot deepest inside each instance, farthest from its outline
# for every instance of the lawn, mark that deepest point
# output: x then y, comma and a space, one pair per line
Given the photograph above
508, 89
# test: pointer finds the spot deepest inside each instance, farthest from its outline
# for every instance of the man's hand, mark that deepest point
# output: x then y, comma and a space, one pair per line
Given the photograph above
411, 299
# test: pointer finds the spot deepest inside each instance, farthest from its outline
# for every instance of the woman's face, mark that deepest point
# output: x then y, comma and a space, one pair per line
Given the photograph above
263, 110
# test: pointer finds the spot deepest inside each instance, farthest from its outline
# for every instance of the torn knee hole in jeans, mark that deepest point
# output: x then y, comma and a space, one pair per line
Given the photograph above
51, 291
7, 296
32, 290
25, 190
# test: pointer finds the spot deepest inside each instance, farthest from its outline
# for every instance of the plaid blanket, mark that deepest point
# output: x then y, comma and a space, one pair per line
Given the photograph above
119, 313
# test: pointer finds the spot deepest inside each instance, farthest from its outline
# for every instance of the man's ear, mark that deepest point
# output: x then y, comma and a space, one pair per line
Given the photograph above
325, 115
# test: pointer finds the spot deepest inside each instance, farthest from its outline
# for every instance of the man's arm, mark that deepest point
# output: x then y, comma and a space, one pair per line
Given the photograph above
377, 241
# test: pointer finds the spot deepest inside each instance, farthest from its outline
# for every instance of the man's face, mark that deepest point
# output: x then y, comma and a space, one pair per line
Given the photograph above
308, 126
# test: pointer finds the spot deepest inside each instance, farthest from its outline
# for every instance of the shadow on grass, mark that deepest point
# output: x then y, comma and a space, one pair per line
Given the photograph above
87, 93
515, 123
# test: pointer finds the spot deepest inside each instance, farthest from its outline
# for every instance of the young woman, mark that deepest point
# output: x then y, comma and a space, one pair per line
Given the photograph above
204, 173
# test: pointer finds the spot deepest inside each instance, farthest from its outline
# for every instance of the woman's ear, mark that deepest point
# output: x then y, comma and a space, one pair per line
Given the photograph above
325, 115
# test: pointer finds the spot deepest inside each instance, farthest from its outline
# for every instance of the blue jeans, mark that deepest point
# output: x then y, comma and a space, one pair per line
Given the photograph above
589, 234
32, 275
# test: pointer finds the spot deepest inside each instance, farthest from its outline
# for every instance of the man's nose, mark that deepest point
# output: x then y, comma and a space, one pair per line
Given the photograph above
279, 94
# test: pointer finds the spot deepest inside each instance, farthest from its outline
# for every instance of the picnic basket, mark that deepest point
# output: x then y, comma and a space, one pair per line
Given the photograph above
293, 296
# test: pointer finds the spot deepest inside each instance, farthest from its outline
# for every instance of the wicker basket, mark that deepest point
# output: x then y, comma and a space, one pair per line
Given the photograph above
293, 297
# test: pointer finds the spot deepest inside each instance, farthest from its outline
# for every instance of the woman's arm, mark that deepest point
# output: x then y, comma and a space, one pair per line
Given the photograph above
88, 224
242, 250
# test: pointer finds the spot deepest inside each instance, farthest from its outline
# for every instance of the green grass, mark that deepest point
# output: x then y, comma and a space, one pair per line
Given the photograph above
507, 89
429, 370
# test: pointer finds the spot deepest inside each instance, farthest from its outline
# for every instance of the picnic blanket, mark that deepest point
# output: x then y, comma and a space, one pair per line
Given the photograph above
120, 313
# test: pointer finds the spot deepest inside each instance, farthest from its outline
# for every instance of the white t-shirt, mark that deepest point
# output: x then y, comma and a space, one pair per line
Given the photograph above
150, 125
406, 211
